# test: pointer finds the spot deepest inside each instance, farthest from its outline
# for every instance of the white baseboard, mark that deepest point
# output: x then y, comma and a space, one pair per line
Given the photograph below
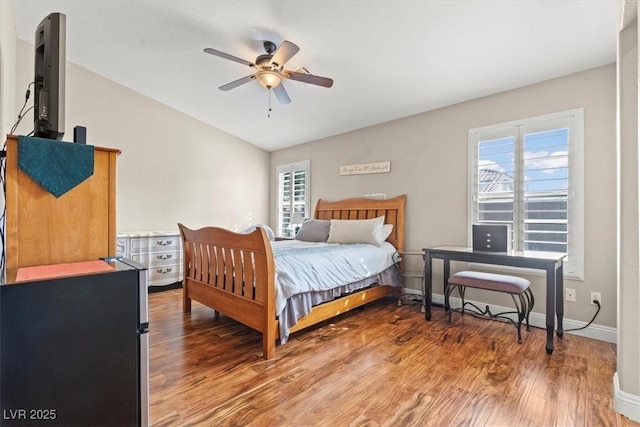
625, 403
594, 331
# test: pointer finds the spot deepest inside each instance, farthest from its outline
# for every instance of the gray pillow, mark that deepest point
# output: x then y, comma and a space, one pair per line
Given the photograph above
314, 230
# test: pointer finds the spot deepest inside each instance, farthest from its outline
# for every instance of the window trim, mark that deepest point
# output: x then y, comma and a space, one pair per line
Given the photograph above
573, 267
292, 167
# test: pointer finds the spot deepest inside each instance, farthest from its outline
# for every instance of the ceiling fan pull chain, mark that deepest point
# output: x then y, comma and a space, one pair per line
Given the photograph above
269, 103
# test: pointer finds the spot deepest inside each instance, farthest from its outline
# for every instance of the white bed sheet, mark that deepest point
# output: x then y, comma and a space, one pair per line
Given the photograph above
309, 266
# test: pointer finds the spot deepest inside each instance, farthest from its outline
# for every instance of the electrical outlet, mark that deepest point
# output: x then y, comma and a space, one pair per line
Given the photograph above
570, 295
596, 296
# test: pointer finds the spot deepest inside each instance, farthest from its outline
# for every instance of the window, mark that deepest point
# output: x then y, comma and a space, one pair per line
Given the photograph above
293, 195
529, 174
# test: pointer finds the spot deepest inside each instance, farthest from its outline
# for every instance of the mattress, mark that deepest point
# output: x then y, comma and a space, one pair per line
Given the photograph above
309, 273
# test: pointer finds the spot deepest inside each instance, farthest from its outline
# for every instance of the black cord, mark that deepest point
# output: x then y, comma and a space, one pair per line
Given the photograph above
3, 181
596, 302
22, 112
3, 216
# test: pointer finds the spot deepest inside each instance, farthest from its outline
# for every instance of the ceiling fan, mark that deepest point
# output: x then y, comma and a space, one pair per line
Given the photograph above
271, 70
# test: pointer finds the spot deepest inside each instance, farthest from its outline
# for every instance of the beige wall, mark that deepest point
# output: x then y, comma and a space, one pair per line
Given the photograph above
627, 396
173, 168
7, 67
429, 152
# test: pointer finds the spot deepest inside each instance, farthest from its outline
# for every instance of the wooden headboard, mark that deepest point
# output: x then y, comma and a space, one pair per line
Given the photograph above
362, 208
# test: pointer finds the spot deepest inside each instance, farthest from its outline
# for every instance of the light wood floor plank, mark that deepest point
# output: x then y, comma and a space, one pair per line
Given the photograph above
380, 366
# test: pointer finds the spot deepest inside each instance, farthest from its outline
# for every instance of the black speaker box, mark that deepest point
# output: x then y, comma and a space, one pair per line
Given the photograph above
491, 238
80, 135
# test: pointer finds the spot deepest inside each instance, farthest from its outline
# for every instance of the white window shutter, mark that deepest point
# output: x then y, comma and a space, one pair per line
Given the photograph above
293, 194
529, 174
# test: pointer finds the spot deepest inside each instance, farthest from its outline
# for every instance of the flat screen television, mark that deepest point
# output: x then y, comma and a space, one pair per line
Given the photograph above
49, 79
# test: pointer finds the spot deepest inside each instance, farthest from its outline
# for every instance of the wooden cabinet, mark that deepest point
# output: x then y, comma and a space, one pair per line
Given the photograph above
160, 251
77, 226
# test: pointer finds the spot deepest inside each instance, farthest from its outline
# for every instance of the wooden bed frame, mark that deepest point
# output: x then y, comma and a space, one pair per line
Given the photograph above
218, 264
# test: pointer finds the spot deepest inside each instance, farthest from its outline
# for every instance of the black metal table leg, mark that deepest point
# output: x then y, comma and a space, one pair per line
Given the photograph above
560, 299
446, 273
551, 307
428, 287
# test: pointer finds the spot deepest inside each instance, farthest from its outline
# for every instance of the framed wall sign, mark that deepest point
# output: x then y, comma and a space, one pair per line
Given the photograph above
365, 168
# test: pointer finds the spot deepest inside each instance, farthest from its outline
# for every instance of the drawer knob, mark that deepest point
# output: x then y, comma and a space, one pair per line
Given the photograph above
164, 270
164, 242
167, 256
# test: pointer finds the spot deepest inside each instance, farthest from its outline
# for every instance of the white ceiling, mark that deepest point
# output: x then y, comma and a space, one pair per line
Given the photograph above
388, 59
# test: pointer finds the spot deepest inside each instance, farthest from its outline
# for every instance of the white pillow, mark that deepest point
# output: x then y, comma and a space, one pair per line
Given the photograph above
384, 232
358, 231
266, 228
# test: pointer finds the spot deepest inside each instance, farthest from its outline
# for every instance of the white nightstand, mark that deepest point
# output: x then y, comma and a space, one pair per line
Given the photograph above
159, 251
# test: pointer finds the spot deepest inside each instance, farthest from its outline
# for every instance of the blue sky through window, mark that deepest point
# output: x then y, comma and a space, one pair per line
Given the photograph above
545, 160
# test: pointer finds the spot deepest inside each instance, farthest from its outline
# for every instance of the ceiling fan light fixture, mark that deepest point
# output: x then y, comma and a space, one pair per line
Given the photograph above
270, 70
268, 79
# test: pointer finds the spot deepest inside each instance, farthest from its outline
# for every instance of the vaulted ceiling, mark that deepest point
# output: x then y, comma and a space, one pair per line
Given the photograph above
388, 59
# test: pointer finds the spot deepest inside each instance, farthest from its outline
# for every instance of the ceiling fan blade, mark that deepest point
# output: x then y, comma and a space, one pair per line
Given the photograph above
237, 83
284, 53
281, 94
309, 78
229, 57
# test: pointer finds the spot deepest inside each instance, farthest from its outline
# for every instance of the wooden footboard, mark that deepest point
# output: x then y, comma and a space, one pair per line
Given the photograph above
235, 273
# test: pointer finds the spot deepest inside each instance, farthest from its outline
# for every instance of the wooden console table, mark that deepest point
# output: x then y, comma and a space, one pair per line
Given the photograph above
550, 262
78, 226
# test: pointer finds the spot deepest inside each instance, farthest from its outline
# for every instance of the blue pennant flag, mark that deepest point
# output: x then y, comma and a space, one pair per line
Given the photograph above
56, 165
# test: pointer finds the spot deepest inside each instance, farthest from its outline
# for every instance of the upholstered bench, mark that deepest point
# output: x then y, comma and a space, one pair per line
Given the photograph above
517, 287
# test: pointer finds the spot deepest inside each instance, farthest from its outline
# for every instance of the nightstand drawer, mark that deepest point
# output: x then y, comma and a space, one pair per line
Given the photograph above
155, 244
165, 275
158, 259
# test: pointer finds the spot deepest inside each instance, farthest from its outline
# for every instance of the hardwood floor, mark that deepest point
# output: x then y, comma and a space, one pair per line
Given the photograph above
380, 366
